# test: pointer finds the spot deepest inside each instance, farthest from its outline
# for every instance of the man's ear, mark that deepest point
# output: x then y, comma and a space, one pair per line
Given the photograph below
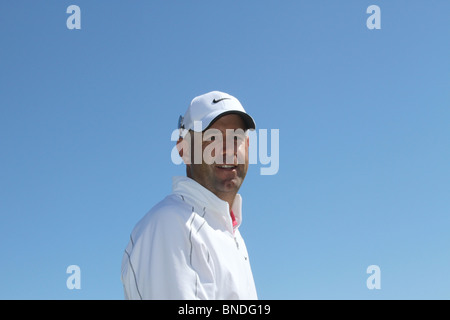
184, 147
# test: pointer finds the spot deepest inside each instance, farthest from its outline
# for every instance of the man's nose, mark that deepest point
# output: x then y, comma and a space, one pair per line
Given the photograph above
229, 150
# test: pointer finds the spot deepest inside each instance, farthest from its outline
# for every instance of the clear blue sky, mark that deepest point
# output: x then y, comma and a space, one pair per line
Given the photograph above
363, 117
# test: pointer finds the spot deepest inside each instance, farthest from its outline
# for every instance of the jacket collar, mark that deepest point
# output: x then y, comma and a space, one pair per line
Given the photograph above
199, 196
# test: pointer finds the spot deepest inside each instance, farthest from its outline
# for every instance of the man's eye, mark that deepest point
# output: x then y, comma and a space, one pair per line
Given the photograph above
209, 139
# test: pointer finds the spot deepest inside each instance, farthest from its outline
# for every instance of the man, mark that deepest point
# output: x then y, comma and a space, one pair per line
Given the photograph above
188, 246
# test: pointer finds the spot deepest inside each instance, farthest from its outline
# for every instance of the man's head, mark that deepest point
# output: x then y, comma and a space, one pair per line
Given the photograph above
214, 143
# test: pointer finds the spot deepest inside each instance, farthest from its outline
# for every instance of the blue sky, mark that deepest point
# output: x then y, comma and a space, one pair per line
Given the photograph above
363, 118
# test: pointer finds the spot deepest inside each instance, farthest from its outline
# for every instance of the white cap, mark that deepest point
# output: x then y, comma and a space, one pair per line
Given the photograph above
208, 107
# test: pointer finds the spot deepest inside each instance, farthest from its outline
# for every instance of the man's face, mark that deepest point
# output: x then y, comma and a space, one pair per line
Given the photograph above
224, 161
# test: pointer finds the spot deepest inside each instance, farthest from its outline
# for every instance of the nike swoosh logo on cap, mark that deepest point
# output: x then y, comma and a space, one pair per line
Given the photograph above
216, 101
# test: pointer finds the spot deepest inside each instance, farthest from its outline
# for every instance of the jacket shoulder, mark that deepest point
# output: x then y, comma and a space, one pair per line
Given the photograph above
169, 214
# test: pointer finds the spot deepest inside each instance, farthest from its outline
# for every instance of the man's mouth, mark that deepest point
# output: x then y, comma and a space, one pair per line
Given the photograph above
226, 166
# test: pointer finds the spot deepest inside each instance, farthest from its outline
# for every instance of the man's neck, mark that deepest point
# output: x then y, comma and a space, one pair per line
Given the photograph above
225, 196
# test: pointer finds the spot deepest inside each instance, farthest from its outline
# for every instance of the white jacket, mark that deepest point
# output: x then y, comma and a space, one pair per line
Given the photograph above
185, 248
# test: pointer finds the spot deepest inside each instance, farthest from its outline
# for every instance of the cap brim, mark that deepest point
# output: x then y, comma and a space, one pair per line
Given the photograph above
248, 120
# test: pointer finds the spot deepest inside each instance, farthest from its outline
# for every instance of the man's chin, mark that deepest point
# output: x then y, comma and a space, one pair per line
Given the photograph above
229, 185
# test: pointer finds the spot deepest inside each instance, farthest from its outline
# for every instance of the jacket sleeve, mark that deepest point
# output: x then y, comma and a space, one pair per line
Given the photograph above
165, 259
